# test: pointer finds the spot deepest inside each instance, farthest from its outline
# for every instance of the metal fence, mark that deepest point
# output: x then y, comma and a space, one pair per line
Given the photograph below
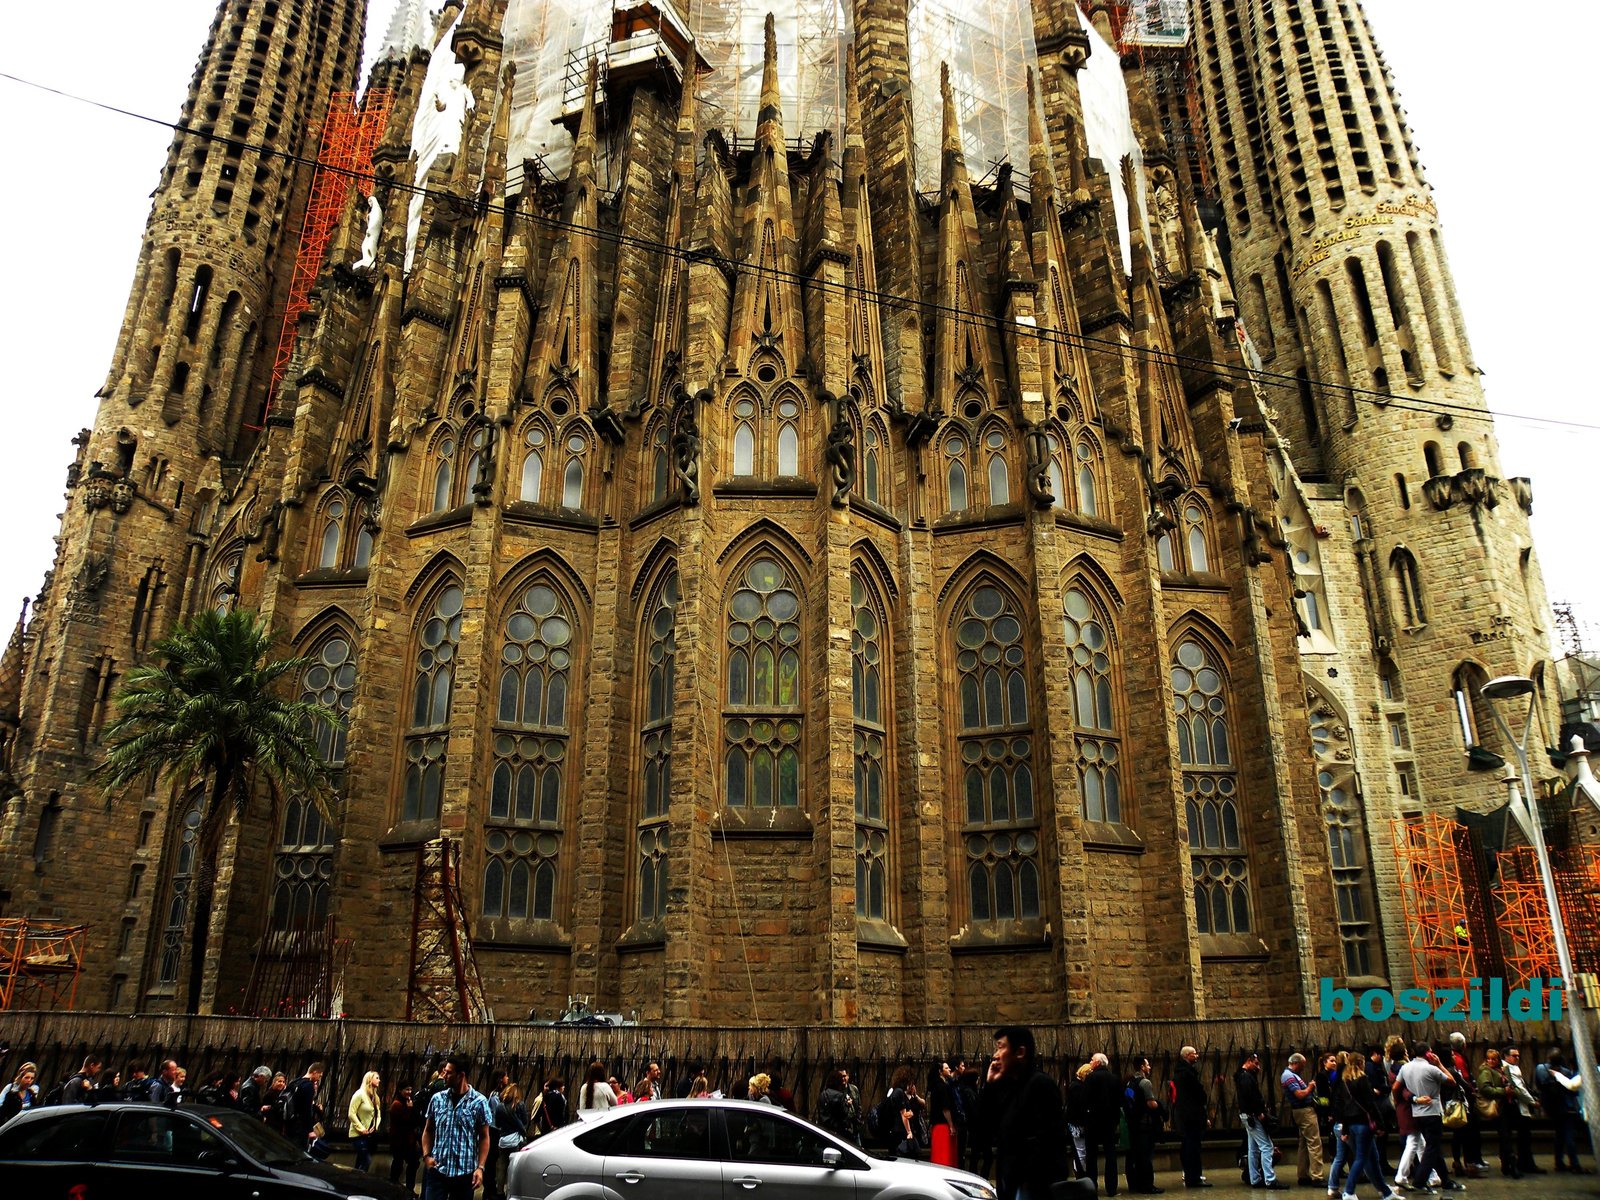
798, 1057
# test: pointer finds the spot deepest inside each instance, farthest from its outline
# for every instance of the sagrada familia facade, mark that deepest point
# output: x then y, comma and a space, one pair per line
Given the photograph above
922, 559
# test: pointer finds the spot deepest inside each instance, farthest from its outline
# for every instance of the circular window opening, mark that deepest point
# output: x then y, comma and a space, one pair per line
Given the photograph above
973, 410
559, 407
767, 373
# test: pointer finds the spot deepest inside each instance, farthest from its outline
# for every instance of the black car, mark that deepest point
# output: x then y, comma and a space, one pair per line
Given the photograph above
137, 1150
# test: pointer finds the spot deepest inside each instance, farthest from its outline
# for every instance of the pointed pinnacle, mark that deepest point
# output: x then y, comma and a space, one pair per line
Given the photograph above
853, 137
1043, 180
951, 132
771, 110
583, 151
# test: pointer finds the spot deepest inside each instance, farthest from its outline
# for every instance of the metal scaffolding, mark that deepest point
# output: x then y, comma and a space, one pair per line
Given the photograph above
442, 983
1155, 34
39, 963
349, 136
299, 973
1434, 901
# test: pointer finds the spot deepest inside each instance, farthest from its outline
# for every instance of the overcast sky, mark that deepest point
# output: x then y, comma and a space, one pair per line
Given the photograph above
1504, 128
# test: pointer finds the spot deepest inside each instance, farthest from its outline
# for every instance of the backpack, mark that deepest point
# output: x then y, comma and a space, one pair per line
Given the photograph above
283, 1108
140, 1089
57, 1094
536, 1117
1130, 1100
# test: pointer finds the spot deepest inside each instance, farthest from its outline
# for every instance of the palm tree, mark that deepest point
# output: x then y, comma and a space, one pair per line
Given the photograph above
208, 711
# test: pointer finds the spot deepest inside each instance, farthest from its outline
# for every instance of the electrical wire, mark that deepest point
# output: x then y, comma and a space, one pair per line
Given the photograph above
1086, 342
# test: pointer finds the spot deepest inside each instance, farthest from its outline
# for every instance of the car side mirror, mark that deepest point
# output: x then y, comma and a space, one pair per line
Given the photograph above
831, 1156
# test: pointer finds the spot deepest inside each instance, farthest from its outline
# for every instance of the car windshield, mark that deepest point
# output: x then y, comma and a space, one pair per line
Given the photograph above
255, 1139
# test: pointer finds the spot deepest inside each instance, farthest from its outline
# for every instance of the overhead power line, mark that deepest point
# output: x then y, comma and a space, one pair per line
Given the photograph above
1219, 370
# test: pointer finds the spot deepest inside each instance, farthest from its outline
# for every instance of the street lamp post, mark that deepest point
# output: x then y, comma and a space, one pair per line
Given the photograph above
1525, 809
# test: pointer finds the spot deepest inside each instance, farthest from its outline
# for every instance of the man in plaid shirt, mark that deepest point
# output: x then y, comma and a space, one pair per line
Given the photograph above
455, 1140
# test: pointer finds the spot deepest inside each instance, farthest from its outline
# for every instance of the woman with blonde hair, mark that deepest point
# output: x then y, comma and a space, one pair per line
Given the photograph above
366, 1113
760, 1085
700, 1089
21, 1094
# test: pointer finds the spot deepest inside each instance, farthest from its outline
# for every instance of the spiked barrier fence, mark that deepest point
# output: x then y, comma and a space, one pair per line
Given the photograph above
799, 1057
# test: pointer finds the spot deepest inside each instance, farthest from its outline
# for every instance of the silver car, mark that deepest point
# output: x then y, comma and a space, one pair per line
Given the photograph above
718, 1150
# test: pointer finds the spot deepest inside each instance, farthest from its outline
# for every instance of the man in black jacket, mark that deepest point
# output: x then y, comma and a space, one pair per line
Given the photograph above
1023, 1106
1189, 1120
1105, 1113
80, 1087
1253, 1116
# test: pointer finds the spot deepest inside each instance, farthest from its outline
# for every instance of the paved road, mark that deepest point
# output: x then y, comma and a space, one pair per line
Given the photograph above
1496, 1187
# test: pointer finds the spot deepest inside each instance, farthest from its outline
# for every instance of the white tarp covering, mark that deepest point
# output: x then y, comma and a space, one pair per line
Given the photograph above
1108, 127
540, 35
409, 28
441, 109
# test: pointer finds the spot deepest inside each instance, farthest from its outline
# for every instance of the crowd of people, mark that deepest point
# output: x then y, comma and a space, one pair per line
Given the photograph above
1006, 1119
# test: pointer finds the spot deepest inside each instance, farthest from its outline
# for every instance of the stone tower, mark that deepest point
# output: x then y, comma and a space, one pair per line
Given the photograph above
179, 409
1344, 287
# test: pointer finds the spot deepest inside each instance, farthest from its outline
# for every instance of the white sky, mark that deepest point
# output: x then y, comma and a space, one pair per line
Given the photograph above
1503, 127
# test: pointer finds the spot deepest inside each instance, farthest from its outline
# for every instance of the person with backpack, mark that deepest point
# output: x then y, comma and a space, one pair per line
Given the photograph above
365, 1114
405, 1137
889, 1122
511, 1125
835, 1113
77, 1088
139, 1084
21, 1094
1189, 1120
300, 1111
1104, 1102
550, 1110
1145, 1118
1558, 1097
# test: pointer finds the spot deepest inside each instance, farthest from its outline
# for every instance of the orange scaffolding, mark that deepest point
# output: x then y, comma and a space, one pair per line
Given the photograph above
1524, 918
349, 136
39, 963
1434, 900
1156, 36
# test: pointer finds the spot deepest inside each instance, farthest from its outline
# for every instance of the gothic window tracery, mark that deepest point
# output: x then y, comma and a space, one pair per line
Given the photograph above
659, 463
995, 746
572, 475
1187, 546
534, 442
1088, 467
432, 686
1347, 851
763, 694
335, 549
225, 580
180, 884
873, 452
954, 446
652, 833
527, 793
1096, 701
1212, 801
869, 701
999, 472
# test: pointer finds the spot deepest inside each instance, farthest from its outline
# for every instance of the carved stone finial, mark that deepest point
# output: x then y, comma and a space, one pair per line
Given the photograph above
841, 451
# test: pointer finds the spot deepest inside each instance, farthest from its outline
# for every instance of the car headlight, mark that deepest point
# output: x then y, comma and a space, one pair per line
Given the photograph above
966, 1187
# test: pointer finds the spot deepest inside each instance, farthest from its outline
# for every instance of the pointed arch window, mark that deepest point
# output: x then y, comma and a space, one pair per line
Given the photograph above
763, 713
444, 473
869, 699
1096, 688
660, 464
955, 449
872, 466
1408, 580
185, 857
1347, 851
1194, 537
999, 475
523, 834
995, 744
532, 465
1058, 483
744, 438
652, 832
572, 477
476, 450
332, 534
363, 554
788, 438
1212, 802
431, 691
225, 582
1088, 482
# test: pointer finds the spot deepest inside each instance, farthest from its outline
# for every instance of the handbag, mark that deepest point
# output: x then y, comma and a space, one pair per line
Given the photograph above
512, 1141
1455, 1114
1488, 1110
